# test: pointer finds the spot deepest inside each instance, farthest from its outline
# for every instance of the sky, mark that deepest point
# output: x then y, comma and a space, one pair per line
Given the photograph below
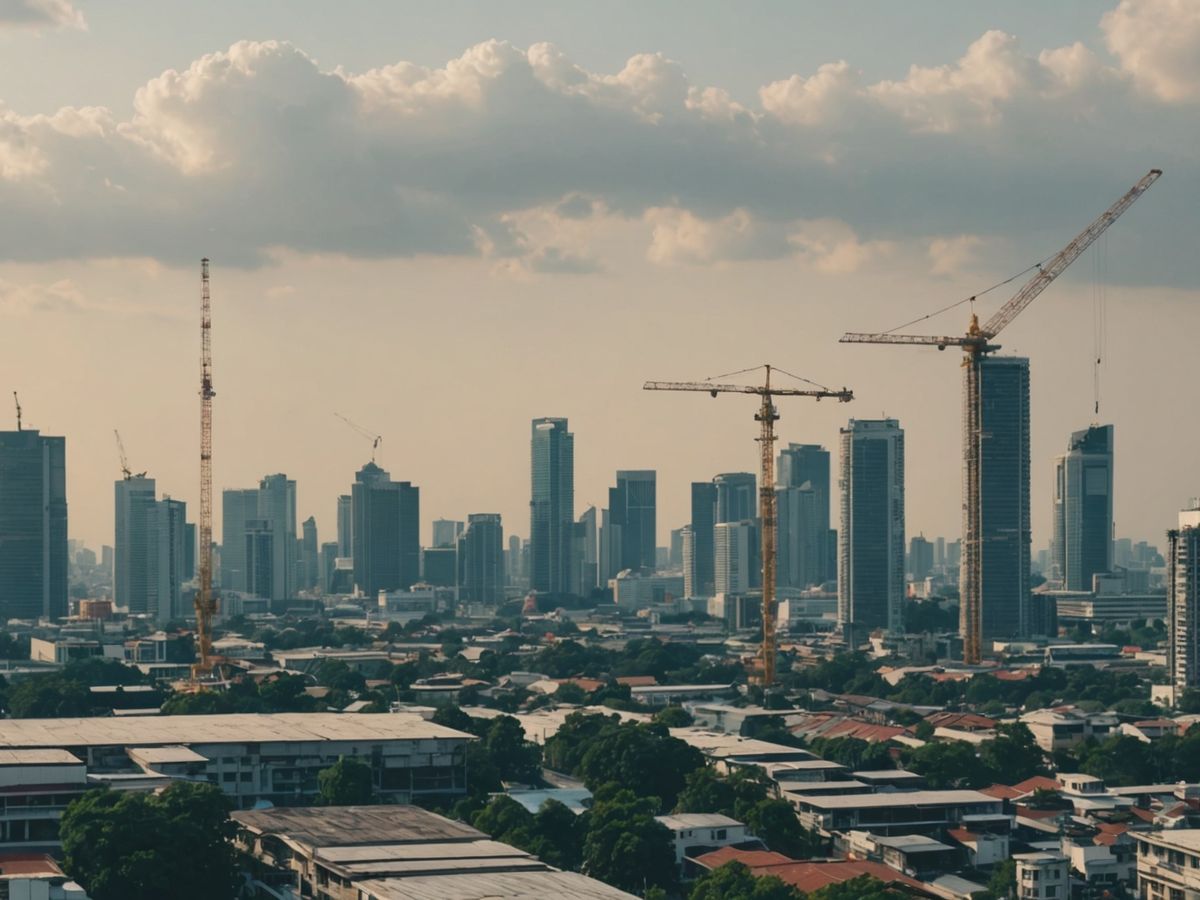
443, 219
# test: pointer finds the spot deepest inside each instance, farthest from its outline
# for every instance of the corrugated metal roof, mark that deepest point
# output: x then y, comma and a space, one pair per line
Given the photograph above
492, 886
343, 826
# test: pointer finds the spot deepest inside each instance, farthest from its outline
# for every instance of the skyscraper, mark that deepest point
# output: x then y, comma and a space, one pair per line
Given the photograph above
551, 505
1183, 601
135, 575
699, 564
33, 525
277, 505
481, 559
386, 534
871, 577
446, 532
799, 465
632, 508
1083, 508
171, 565
310, 559
237, 508
802, 537
259, 538
586, 555
345, 525
734, 552
1004, 496
920, 558
737, 497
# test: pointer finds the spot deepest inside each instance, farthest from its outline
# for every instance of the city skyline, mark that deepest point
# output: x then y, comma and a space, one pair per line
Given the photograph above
671, 258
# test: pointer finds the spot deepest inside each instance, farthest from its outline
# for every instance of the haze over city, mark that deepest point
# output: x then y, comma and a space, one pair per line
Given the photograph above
442, 220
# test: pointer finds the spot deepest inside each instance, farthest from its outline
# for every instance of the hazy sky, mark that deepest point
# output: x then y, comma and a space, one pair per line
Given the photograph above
442, 219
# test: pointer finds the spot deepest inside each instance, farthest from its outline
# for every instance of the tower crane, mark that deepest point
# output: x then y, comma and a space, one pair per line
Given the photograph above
976, 344
206, 603
375, 439
766, 416
125, 470
17, 400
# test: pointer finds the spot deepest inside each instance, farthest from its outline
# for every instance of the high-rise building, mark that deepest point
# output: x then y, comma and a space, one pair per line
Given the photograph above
259, 538
871, 576
237, 508
386, 533
1004, 496
585, 557
920, 558
801, 537
135, 578
1183, 601
513, 560
439, 566
446, 532
675, 552
735, 558
737, 497
699, 564
632, 509
481, 559
345, 525
1083, 508
800, 465
171, 548
310, 555
329, 556
551, 505
189, 551
277, 505
33, 525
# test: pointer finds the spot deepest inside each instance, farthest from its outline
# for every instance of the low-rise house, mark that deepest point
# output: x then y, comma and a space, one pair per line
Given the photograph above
811, 875
1041, 876
1168, 864
900, 812
916, 855
35, 876
983, 849
695, 834
1065, 727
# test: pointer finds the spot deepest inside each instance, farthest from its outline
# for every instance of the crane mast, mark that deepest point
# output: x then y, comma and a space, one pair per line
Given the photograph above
766, 416
206, 605
976, 344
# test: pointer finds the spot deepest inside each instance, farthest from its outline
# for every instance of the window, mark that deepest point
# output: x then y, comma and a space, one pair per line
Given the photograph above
720, 834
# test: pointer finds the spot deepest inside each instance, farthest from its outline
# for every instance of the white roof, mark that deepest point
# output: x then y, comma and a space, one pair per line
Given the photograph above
684, 821
901, 798
1177, 838
40, 757
222, 729
160, 755
493, 885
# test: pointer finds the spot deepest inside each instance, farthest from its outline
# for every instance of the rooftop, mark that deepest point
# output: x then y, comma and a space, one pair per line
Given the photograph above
684, 821
223, 729
901, 798
348, 826
39, 757
493, 885
1176, 838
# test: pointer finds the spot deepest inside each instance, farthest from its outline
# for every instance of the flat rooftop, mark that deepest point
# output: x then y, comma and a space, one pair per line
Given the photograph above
493, 885
238, 728
684, 821
1178, 839
325, 827
900, 798
39, 757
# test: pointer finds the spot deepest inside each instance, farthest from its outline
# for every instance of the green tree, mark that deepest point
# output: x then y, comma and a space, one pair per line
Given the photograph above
673, 717
1003, 881
705, 791
733, 881
348, 782
949, 764
516, 758
49, 697
134, 846
1013, 755
775, 822
864, 887
643, 757
625, 846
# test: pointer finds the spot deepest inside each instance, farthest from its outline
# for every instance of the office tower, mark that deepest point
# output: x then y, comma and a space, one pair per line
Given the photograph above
734, 557
33, 525
237, 508
871, 564
386, 533
737, 497
108, 559
699, 571
939, 553
439, 566
920, 558
801, 537
953, 554
135, 581
189, 551
310, 562
1123, 552
446, 532
1083, 508
481, 559
259, 556
631, 507
170, 534
1004, 496
1183, 601
675, 553
345, 525
328, 562
551, 505
687, 541
799, 465
513, 559
585, 557
277, 505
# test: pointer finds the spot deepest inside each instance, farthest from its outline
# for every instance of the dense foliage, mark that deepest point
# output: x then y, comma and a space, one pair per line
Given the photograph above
348, 782
137, 846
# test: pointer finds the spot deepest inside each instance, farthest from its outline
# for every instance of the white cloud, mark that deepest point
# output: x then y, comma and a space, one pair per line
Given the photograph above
59, 296
1158, 44
816, 100
40, 13
950, 255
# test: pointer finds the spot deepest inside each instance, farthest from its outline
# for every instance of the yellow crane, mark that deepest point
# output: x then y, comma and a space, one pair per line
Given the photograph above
976, 344
375, 439
206, 603
126, 472
17, 400
766, 416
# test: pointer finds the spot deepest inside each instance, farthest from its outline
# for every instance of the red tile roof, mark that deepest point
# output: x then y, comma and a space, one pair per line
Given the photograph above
1029, 785
752, 859
638, 680
807, 875
1026, 812
964, 721
1002, 792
